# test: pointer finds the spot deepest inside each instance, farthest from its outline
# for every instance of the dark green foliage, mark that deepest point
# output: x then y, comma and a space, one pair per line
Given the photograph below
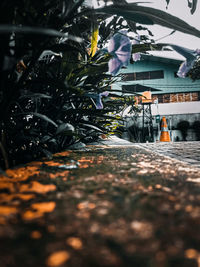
47, 73
44, 107
149, 16
194, 73
196, 127
192, 5
183, 126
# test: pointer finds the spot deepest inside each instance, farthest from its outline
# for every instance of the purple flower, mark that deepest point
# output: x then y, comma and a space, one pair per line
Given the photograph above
136, 56
184, 68
190, 56
97, 98
120, 48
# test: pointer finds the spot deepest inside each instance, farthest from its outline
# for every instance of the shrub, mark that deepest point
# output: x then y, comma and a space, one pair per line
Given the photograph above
196, 127
53, 77
183, 126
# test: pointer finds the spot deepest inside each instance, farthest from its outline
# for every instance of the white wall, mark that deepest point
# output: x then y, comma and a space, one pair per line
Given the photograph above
176, 108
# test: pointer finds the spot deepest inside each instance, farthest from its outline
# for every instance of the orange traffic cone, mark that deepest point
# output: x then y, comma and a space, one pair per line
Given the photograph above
164, 137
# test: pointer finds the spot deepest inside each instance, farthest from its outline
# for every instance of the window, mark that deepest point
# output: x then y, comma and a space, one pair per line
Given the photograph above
177, 97
166, 98
160, 98
143, 75
127, 77
159, 74
146, 75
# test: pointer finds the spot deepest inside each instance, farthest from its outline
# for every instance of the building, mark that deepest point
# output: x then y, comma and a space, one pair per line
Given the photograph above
178, 99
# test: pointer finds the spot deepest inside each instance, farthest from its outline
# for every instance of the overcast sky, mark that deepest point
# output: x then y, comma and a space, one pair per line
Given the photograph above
180, 9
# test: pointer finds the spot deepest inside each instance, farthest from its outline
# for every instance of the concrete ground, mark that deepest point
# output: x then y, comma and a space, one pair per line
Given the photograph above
111, 204
188, 152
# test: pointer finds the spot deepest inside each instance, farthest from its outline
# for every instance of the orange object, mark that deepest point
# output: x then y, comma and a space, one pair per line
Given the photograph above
146, 97
164, 137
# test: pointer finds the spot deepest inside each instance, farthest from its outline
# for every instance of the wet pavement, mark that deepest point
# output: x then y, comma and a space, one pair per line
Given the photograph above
111, 204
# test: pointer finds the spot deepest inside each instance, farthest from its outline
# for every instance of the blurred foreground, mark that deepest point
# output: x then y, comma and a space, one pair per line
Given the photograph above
115, 204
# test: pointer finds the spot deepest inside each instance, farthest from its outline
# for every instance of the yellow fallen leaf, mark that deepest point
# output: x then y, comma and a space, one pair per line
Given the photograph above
58, 258
191, 253
44, 206
36, 234
40, 209
7, 210
37, 187
30, 215
75, 243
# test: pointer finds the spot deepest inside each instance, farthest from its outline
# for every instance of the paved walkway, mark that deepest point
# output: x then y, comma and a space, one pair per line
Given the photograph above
114, 204
188, 152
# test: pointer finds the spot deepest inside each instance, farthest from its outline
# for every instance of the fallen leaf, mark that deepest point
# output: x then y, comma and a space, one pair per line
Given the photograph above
36, 235
7, 210
44, 206
75, 243
37, 187
58, 258
191, 253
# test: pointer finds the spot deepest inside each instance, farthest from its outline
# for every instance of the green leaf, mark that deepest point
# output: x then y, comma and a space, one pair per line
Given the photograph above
92, 126
35, 95
46, 153
149, 15
38, 115
192, 5
127, 14
65, 128
167, 2
5, 28
74, 8
148, 47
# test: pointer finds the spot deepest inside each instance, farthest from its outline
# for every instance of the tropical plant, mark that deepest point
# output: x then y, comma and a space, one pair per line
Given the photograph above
194, 73
55, 85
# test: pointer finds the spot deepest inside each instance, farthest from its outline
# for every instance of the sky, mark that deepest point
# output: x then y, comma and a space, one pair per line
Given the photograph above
180, 9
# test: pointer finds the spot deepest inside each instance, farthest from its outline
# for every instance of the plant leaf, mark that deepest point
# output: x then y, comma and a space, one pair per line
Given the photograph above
94, 39
192, 5
65, 128
35, 95
150, 15
147, 47
74, 8
127, 14
39, 115
92, 126
167, 1
6, 28
46, 153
